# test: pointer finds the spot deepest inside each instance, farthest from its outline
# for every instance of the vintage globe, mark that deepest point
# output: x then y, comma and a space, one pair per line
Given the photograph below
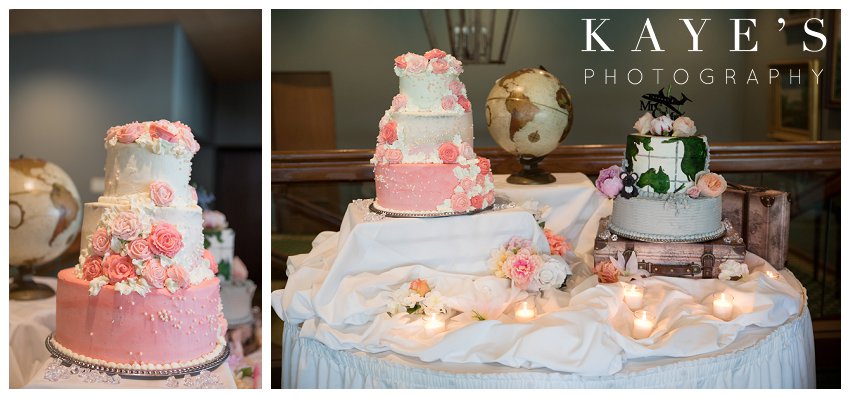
529, 112
44, 211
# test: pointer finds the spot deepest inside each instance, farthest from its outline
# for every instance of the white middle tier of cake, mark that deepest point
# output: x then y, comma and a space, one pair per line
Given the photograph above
131, 168
420, 134
667, 218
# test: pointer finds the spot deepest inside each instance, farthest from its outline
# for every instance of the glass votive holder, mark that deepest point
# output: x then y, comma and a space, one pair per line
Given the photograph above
525, 311
633, 296
643, 325
723, 305
434, 323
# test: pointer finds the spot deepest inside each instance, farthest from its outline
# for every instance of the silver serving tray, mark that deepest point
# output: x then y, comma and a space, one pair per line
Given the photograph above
392, 214
139, 373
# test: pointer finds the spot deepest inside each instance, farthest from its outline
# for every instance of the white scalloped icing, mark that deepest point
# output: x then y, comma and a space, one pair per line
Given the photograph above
219, 347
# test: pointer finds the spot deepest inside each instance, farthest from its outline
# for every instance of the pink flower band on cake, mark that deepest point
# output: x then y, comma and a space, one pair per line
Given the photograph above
176, 132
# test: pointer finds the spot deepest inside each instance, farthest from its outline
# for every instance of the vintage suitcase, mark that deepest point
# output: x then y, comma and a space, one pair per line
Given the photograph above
763, 217
689, 260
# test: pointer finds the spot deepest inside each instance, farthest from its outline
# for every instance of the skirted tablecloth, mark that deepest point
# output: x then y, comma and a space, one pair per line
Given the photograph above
339, 334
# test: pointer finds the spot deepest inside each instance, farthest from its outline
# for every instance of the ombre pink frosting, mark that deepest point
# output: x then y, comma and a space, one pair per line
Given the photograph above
118, 328
400, 187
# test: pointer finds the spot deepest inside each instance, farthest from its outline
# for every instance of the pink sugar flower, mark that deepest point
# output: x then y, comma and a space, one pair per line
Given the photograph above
399, 102
389, 132
125, 225
161, 193
464, 103
435, 54
457, 87
92, 268
165, 240
100, 242
393, 156
211, 259
439, 66
179, 275
416, 63
118, 268
448, 102
139, 249
154, 273
448, 152
460, 202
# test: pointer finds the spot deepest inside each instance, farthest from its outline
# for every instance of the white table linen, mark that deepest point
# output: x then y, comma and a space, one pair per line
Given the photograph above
339, 293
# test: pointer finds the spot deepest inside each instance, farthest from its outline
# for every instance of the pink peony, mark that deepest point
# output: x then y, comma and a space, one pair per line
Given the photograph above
609, 182
466, 151
389, 132
92, 268
118, 268
557, 244
660, 125
521, 267
139, 249
420, 286
211, 259
490, 197
399, 102
130, 133
642, 125
154, 273
477, 201
416, 63
100, 242
400, 62
693, 191
125, 225
179, 275
448, 102
467, 184
711, 185
161, 193
393, 156
448, 152
684, 127
439, 66
460, 202
484, 165
163, 129
606, 271
165, 240
464, 103
435, 54
457, 87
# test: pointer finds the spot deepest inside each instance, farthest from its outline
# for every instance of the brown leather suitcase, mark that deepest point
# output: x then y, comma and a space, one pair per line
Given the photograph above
688, 260
763, 216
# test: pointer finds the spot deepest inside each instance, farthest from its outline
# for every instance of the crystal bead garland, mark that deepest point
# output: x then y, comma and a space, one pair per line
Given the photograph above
57, 371
205, 379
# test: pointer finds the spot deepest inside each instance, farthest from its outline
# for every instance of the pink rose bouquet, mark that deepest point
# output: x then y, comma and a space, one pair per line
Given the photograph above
118, 268
165, 240
606, 271
609, 182
154, 273
558, 245
125, 225
100, 242
448, 152
139, 249
161, 193
435, 54
389, 133
439, 66
92, 268
711, 185
179, 275
211, 259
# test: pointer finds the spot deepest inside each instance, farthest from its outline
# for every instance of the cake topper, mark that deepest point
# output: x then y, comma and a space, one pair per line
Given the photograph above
660, 104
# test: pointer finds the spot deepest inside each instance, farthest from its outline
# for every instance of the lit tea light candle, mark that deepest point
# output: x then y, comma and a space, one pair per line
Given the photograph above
644, 323
772, 275
633, 296
525, 311
723, 306
434, 324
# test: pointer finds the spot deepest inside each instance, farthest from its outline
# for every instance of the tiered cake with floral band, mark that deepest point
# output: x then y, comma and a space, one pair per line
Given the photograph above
144, 294
664, 191
424, 160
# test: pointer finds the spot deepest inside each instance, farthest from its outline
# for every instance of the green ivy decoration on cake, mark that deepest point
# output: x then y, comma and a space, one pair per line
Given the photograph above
693, 161
659, 181
632, 143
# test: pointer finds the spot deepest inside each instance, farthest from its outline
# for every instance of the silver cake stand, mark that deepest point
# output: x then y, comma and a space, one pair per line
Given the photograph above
139, 373
393, 214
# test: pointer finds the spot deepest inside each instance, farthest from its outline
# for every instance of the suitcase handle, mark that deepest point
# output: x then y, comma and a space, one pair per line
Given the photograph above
692, 270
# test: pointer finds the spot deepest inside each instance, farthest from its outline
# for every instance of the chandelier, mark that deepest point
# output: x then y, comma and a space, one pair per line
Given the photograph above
474, 36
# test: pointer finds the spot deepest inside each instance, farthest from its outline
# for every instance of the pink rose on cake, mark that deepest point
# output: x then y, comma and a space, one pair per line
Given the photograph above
439, 66
466, 184
684, 127
420, 286
100, 242
521, 267
125, 225
457, 87
211, 259
165, 240
130, 133
693, 192
464, 103
456, 66
609, 182
642, 125
558, 245
711, 185
466, 151
393, 156
161, 193
179, 275
92, 268
399, 102
416, 63
118, 268
139, 249
435, 54
661, 125
490, 197
484, 165
477, 201
186, 137
389, 132
163, 129
154, 273
460, 202
448, 152
606, 271
448, 102
400, 62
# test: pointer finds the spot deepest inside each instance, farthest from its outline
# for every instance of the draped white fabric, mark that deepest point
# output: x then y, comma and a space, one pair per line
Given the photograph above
338, 294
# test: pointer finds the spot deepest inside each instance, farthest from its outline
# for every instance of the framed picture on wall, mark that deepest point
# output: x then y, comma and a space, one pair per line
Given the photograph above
794, 101
832, 93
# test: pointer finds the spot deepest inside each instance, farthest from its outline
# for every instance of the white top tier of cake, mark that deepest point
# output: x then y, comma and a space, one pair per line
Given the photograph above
131, 168
680, 159
429, 83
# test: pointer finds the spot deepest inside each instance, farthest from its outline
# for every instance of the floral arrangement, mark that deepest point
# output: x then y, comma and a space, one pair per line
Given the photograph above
665, 126
527, 269
615, 181
618, 269
731, 270
417, 297
158, 134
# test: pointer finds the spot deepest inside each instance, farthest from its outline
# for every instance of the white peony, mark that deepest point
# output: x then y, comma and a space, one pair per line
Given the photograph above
551, 274
660, 125
434, 303
642, 125
732, 269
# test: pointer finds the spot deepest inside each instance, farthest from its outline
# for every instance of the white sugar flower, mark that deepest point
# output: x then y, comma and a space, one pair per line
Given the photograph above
551, 274
124, 288
731, 269
95, 285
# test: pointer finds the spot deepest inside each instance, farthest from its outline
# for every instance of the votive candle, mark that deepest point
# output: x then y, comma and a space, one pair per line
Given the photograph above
525, 311
644, 323
723, 306
633, 296
434, 324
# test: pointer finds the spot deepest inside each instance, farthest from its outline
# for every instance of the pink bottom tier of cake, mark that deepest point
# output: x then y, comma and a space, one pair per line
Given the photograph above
432, 188
161, 328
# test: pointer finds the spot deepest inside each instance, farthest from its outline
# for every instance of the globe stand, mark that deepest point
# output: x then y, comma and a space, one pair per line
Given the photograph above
23, 288
531, 173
